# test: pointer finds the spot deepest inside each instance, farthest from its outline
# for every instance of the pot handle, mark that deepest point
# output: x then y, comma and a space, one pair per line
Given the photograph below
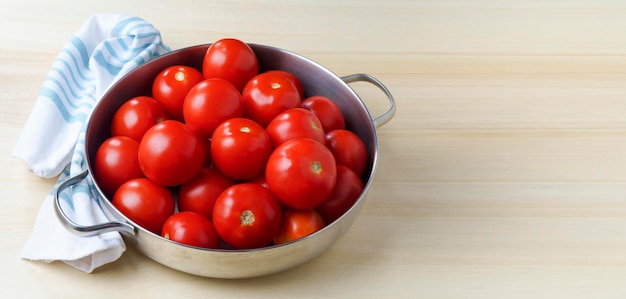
85, 231
385, 117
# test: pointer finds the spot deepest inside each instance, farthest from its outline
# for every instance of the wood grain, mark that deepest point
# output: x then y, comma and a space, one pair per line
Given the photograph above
502, 174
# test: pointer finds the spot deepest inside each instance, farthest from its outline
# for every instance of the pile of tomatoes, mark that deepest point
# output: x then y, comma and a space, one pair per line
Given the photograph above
227, 157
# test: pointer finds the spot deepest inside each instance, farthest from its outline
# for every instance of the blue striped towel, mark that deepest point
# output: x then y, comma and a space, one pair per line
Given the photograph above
52, 142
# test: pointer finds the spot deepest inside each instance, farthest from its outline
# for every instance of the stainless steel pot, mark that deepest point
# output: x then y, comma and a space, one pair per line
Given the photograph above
316, 80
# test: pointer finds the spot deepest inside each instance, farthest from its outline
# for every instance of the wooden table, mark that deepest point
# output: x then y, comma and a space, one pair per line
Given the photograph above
502, 175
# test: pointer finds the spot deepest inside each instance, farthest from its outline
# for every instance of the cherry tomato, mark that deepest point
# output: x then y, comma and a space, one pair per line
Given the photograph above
170, 153
348, 149
240, 148
136, 116
347, 190
232, 60
145, 202
301, 173
297, 224
267, 95
172, 85
247, 216
192, 229
199, 194
259, 180
116, 162
209, 103
327, 111
295, 123
296, 82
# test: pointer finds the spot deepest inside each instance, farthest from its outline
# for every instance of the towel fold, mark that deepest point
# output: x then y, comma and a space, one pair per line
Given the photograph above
52, 143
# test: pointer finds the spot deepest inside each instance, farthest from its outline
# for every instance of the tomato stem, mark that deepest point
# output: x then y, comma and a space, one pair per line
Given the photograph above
316, 167
315, 126
246, 218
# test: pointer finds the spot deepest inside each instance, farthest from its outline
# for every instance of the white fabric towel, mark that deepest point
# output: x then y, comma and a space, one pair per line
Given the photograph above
52, 142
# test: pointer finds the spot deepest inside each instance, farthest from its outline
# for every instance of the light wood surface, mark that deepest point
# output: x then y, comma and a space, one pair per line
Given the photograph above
502, 175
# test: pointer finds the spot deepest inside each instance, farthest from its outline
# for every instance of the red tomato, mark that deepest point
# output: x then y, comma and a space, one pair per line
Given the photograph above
267, 95
297, 224
301, 173
136, 116
347, 190
240, 148
199, 194
116, 162
295, 123
209, 103
192, 229
247, 216
145, 203
232, 60
170, 153
348, 149
296, 82
172, 85
327, 111
259, 180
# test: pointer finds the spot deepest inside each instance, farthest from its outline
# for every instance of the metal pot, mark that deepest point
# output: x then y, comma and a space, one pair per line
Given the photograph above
316, 80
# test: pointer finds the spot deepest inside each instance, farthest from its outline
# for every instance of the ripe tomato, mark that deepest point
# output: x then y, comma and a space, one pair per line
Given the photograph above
247, 216
296, 82
116, 162
347, 190
192, 229
267, 95
232, 60
170, 153
145, 203
297, 224
199, 194
136, 116
172, 85
348, 149
295, 123
259, 180
327, 111
209, 103
240, 148
301, 173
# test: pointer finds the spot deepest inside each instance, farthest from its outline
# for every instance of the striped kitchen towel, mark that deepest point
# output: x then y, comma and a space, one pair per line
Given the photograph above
52, 142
